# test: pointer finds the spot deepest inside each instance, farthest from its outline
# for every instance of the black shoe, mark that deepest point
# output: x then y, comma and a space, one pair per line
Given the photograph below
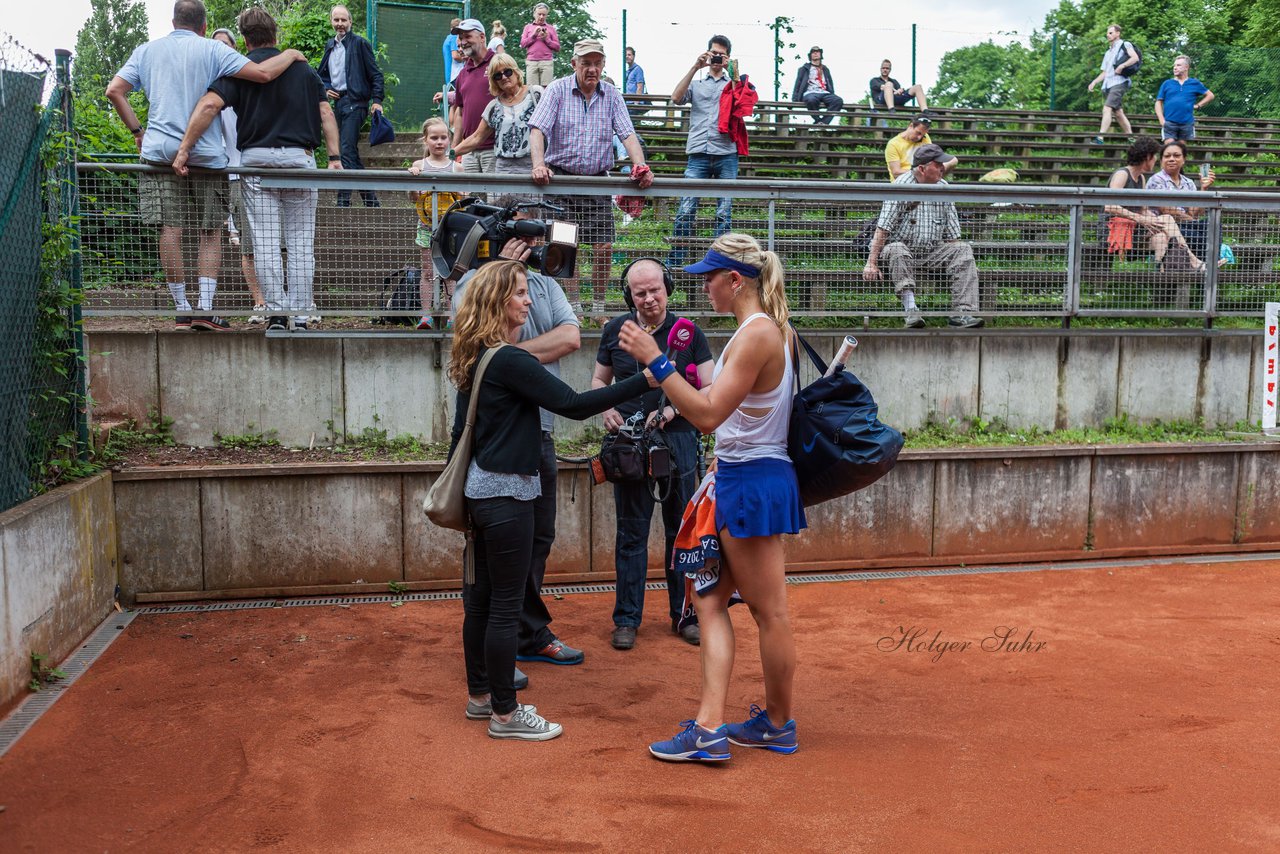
624, 637
182, 323
520, 681
299, 326
277, 323
692, 634
209, 324
965, 321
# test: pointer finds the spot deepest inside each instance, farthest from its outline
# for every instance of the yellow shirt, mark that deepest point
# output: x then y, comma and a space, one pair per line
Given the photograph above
899, 151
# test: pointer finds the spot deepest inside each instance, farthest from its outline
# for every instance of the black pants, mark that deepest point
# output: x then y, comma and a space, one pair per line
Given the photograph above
504, 544
535, 619
351, 115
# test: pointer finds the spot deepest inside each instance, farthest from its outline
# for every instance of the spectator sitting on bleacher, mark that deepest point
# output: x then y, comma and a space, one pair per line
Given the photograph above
914, 236
887, 93
898, 151
815, 88
1191, 225
1122, 222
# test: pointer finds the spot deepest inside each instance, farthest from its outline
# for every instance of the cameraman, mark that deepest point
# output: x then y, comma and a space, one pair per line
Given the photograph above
550, 333
646, 284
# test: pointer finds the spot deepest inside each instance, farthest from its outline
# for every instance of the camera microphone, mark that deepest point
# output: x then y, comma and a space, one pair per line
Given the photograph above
680, 338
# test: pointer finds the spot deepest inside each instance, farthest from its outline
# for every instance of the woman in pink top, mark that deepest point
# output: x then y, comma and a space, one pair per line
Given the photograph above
541, 45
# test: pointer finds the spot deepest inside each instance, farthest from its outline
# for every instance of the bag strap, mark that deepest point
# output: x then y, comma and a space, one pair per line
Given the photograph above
813, 354
475, 383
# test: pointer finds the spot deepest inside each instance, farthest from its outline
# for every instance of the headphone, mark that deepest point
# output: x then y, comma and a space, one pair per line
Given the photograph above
667, 280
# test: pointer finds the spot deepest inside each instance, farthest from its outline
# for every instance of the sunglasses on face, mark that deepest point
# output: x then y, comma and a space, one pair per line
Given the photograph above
503, 74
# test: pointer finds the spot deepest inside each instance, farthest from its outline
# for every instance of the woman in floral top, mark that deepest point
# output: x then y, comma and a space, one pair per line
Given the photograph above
506, 118
1173, 158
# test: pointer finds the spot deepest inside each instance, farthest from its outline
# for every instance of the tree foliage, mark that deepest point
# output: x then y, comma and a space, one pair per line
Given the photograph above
104, 43
1227, 40
573, 20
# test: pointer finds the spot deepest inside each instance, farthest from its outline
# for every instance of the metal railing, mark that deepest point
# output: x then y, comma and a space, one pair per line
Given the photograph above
1040, 252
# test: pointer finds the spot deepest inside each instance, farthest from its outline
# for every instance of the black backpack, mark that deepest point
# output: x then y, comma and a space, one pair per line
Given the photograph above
400, 293
1123, 57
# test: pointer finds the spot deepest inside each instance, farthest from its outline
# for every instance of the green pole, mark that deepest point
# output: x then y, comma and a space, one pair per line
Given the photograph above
1053, 74
913, 54
777, 57
623, 87
371, 22
70, 203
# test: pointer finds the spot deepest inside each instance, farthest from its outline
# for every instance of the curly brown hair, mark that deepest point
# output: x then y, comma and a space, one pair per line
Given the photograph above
482, 317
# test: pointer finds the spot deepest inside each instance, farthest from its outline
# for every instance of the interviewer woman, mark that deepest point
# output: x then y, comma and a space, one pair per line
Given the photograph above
503, 481
756, 496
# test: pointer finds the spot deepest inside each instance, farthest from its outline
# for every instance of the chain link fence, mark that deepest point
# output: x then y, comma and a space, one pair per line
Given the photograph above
41, 376
1038, 252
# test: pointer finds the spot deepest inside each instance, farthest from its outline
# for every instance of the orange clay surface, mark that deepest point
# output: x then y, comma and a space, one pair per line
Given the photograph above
1147, 720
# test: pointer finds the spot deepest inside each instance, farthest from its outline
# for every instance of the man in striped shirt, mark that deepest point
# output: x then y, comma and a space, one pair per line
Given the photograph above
571, 133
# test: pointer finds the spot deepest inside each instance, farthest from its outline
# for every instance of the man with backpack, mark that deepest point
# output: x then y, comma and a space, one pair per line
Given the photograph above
1121, 61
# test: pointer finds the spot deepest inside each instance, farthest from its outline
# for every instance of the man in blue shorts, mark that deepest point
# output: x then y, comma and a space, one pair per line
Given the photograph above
1178, 99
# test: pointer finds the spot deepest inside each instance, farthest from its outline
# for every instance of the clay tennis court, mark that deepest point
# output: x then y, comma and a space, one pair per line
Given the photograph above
1147, 719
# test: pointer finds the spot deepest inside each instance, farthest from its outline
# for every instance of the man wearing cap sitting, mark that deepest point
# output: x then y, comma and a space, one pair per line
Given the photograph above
898, 152
816, 89
913, 236
571, 133
471, 96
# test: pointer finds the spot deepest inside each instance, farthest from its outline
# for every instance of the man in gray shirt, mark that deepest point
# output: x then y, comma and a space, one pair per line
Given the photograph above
550, 333
711, 154
913, 236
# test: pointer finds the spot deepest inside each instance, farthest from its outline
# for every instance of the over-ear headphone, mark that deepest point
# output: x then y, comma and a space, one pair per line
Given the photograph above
668, 282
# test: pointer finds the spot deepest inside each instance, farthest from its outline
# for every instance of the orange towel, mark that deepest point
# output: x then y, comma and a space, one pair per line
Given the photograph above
696, 555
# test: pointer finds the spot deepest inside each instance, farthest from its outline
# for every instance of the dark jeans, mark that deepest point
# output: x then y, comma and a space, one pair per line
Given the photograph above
535, 619
633, 504
815, 100
503, 546
721, 167
351, 115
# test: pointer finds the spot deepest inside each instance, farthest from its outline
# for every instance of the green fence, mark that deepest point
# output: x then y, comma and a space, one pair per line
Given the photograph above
42, 424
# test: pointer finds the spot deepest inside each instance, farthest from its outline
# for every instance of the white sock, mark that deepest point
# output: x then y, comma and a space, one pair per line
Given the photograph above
207, 288
908, 300
179, 292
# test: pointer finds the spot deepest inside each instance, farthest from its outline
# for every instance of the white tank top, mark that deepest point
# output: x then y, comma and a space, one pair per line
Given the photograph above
744, 437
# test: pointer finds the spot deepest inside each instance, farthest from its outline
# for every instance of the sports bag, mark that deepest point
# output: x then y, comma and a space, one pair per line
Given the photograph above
1123, 57
837, 443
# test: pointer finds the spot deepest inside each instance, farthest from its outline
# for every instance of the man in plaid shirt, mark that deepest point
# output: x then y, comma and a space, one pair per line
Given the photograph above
571, 133
913, 236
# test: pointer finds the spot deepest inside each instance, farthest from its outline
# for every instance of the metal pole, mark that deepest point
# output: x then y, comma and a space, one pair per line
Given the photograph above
1075, 265
1212, 249
777, 58
624, 52
371, 22
70, 204
1053, 74
913, 54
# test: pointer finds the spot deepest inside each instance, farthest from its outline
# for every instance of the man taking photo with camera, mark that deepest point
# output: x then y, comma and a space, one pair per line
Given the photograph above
646, 285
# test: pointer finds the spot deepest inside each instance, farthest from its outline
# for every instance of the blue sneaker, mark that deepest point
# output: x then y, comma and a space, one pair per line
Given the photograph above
759, 731
693, 744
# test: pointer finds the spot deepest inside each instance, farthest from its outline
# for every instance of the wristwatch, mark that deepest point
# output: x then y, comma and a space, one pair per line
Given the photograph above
136, 131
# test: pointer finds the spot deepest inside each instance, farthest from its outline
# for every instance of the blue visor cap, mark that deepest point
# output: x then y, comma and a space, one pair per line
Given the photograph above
713, 261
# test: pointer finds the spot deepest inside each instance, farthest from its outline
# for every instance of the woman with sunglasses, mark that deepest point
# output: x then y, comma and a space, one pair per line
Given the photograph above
506, 118
751, 494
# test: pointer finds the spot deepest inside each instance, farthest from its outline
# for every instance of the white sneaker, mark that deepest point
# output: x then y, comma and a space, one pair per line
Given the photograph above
525, 726
315, 318
259, 314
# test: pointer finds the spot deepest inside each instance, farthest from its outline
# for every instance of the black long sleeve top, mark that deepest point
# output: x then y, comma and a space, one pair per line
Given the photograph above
508, 433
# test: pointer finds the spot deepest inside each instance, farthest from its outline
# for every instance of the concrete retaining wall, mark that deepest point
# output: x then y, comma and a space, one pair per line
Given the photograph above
306, 386
58, 568
325, 528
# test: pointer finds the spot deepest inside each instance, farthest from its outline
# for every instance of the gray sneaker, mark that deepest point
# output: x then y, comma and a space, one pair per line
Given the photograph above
482, 711
965, 321
525, 726
914, 320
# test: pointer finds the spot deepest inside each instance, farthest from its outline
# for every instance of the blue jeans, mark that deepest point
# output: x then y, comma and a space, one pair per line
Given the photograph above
351, 115
633, 504
720, 167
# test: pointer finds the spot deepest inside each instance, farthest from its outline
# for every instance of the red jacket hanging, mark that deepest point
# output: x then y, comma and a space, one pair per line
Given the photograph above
737, 101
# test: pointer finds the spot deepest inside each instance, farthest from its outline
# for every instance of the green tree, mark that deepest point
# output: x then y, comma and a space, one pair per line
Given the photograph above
993, 76
104, 43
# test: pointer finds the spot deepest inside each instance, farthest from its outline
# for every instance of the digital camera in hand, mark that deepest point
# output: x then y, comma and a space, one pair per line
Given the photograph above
472, 233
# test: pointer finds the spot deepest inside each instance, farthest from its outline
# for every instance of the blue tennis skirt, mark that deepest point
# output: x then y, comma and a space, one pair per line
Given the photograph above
758, 498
